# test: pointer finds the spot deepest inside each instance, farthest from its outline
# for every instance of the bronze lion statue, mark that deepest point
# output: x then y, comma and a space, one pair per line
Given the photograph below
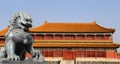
18, 41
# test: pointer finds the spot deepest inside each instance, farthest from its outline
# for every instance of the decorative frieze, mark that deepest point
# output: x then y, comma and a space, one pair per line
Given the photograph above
72, 36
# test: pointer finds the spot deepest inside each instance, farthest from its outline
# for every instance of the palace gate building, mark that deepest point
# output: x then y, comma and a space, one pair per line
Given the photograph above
73, 43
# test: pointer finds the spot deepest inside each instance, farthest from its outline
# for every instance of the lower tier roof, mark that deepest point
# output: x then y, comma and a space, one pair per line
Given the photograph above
73, 41
69, 45
96, 45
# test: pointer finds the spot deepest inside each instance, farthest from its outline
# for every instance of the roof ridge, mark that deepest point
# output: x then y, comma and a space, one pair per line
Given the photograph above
69, 22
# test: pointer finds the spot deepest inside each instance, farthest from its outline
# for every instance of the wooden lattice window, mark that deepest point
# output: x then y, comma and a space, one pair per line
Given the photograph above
99, 37
58, 37
48, 53
58, 54
90, 54
39, 37
100, 53
69, 37
80, 53
81, 37
49, 37
90, 37
108, 37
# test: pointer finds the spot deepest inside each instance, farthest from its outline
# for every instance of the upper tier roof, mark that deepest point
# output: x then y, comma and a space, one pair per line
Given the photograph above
72, 27
68, 27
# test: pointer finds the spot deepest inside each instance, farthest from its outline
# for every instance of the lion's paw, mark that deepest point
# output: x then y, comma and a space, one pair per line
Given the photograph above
14, 57
37, 56
36, 53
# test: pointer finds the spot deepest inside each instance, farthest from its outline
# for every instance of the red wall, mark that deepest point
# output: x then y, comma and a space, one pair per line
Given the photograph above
72, 54
118, 56
111, 54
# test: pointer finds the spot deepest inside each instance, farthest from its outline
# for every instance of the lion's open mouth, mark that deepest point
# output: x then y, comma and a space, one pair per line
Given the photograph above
26, 25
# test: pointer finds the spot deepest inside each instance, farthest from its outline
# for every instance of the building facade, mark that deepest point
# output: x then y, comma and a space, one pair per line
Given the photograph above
73, 43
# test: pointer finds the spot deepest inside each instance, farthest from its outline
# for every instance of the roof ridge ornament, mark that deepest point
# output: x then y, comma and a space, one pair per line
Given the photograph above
94, 22
46, 21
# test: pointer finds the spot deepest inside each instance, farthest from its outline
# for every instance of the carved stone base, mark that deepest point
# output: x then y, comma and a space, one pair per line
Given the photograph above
21, 62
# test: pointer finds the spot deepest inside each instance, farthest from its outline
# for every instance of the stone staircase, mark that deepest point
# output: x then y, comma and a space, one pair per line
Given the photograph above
67, 62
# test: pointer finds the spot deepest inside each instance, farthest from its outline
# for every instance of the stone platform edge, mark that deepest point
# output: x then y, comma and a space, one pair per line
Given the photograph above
21, 62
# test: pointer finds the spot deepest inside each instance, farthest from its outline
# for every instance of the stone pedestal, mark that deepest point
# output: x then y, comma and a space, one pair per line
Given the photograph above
21, 62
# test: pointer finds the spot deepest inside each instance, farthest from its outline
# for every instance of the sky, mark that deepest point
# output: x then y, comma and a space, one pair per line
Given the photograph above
105, 12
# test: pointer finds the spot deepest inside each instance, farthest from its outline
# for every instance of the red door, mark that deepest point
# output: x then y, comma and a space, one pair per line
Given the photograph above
68, 55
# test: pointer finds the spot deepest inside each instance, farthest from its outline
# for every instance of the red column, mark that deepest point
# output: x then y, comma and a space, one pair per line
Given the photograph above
53, 53
74, 55
104, 37
75, 37
86, 53
85, 37
54, 36
62, 53
44, 36
63, 37
95, 54
95, 36
111, 37
35, 36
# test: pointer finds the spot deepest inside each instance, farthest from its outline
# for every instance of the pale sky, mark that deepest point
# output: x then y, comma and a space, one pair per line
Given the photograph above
105, 12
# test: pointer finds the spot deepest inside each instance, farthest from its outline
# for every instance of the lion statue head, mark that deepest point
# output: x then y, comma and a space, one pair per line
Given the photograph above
20, 20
